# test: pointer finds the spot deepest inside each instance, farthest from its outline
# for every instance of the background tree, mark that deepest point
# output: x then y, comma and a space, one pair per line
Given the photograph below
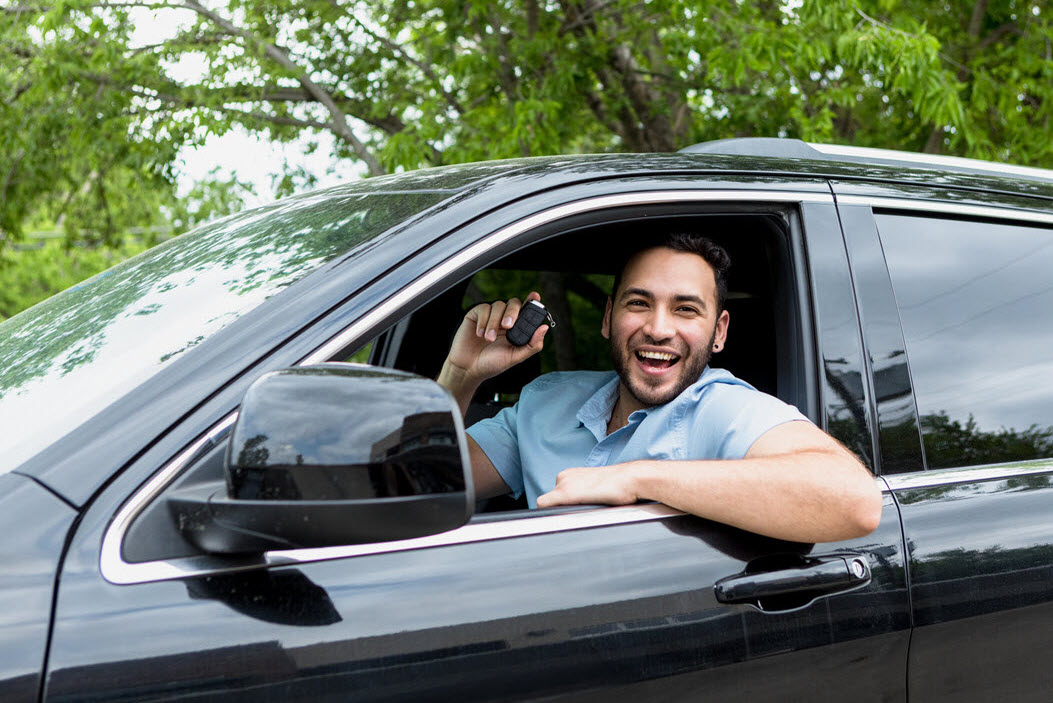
94, 117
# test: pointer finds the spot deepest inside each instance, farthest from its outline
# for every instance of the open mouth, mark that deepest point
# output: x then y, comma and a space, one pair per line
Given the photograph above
656, 361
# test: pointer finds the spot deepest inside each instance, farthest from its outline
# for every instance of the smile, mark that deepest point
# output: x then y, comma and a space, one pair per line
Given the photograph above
656, 360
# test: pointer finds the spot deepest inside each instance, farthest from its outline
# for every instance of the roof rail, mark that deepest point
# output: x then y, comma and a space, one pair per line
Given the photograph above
795, 148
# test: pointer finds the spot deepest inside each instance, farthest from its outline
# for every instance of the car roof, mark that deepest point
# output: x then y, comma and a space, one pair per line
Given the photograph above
772, 158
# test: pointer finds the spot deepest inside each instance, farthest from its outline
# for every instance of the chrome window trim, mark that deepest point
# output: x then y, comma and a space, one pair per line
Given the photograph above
984, 211
116, 570
946, 477
124, 573
472, 252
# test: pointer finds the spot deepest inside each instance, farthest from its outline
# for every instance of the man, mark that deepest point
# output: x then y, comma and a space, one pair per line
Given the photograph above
665, 427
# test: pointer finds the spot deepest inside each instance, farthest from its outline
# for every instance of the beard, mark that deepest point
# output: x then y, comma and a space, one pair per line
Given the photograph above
691, 367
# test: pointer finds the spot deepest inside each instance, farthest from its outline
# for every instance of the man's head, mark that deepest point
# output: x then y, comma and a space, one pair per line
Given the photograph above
666, 316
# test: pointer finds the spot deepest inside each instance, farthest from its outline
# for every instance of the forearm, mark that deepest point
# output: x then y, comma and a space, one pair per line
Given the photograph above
812, 496
460, 385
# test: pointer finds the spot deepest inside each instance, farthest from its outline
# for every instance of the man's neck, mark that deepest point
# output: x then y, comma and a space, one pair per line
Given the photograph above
625, 406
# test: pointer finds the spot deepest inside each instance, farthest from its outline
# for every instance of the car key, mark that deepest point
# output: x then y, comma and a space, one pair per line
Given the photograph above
531, 316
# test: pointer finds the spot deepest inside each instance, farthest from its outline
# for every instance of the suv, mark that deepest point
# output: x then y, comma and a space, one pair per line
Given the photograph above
900, 301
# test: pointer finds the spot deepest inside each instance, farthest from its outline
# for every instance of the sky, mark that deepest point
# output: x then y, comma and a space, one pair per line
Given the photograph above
256, 160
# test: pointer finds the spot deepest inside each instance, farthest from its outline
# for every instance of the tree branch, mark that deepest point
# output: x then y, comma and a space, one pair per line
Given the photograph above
11, 174
254, 115
340, 126
976, 21
398, 50
997, 33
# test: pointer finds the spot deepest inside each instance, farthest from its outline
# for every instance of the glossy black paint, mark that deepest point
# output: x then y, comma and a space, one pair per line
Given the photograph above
846, 412
473, 189
611, 611
981, 564
897, 417
33, 528
337, 432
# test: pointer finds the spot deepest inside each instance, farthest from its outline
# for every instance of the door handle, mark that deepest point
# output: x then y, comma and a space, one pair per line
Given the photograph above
810, 578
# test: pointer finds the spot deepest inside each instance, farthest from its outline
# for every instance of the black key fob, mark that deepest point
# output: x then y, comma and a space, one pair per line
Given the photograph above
531, 316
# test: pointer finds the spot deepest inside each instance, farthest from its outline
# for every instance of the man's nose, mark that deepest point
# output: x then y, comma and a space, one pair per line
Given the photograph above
659, 325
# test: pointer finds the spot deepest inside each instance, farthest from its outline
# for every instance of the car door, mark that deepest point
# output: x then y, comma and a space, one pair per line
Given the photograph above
580, 604
956, 305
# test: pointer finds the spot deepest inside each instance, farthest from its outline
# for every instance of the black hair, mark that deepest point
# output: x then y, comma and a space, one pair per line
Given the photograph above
688, 243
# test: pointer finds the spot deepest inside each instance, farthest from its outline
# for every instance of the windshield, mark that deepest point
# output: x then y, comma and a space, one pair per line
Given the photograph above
67, 358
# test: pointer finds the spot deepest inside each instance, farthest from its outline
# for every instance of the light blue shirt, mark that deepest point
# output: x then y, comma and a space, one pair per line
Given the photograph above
561, 420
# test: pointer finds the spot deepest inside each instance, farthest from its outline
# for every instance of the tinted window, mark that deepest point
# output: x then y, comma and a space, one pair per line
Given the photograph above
976, 303
66, 358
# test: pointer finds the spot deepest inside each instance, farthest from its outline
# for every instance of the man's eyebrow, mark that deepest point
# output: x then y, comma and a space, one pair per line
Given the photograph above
686, 298
642, 292
679, 298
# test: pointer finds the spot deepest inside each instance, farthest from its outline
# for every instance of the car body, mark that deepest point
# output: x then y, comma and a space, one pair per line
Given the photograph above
900, 305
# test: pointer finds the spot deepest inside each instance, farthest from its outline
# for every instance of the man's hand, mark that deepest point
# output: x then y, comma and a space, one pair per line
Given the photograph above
610, 485
480, 350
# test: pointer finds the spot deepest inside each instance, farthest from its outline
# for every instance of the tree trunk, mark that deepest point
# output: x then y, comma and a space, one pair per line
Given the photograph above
554, 293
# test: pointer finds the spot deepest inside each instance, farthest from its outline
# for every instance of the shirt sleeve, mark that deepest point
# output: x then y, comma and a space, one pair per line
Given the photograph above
497, 437
739, 418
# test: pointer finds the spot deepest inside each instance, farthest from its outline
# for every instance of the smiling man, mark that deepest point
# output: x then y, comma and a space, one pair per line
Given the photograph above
664, 426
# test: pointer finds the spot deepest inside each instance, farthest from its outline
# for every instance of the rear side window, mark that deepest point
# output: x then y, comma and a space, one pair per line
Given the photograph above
976, 304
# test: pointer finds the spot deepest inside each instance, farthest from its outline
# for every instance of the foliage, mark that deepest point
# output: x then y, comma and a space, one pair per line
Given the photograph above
410, 83
94, 116
31, 275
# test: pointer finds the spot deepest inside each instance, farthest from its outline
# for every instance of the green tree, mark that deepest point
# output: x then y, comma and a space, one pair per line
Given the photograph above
410, 83
94, 117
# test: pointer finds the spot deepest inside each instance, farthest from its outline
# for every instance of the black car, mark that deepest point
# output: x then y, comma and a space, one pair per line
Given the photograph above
169, 533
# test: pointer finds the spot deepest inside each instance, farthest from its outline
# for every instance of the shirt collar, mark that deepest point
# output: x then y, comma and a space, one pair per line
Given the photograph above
596, 411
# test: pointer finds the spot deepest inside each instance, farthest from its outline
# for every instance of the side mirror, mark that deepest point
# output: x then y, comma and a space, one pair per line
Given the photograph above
333, 454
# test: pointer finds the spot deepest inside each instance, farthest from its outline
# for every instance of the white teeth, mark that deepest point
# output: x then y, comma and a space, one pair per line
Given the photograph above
661, 356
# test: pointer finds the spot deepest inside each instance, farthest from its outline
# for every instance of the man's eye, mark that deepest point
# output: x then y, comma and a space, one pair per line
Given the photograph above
636, 303
687, 309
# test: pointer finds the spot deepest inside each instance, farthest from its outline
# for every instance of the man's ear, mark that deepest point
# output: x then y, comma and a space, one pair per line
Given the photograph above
720, 334
605, 329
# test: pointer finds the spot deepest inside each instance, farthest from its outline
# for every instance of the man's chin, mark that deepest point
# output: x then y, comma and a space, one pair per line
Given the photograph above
651, 396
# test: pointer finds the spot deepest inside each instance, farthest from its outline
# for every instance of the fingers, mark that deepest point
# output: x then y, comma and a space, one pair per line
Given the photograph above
493, 322
507, 318
558, 495
538, 340
494, 319
547, 500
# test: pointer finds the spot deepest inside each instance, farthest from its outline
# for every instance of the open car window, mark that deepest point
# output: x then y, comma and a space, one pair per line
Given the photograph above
574, 271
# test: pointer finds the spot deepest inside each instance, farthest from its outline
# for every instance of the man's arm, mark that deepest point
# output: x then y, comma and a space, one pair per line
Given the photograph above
485, 477
795, 483
480, 351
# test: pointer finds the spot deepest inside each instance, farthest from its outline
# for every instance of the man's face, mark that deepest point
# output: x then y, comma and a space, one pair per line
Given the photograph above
663, 324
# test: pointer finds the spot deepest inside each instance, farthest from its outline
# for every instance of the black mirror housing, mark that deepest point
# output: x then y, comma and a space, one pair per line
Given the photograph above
334, 454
